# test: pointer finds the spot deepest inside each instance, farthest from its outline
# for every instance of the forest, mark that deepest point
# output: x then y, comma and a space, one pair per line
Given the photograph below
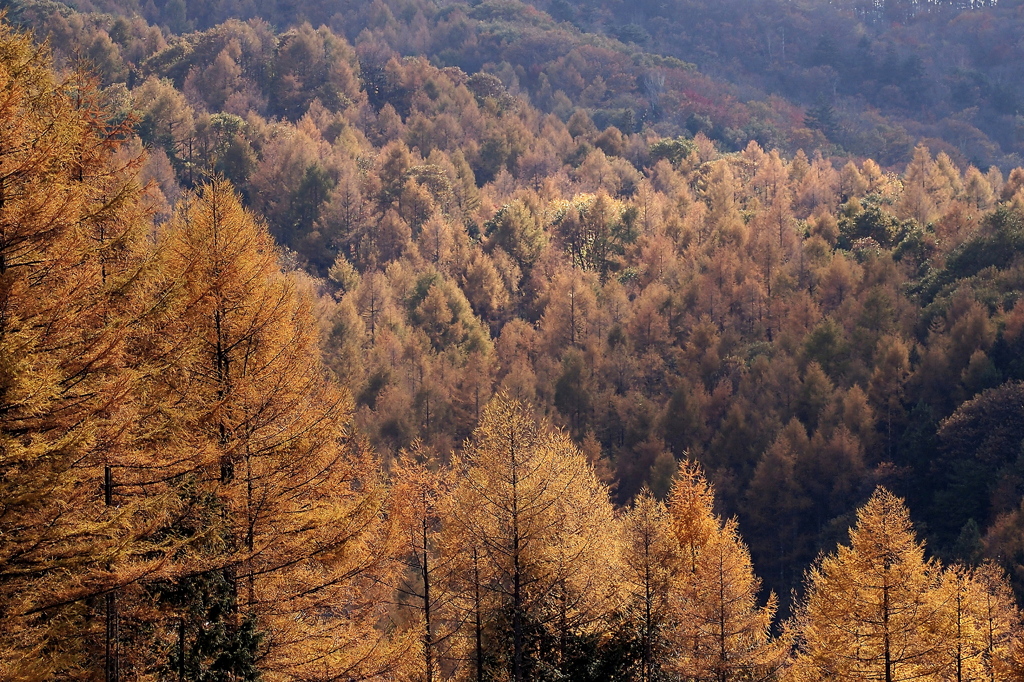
422, 340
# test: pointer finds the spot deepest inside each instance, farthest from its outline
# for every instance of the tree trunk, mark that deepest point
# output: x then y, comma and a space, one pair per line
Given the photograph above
478, 618
112, 658
428, 640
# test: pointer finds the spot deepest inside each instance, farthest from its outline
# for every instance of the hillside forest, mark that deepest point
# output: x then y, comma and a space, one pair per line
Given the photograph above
431, 341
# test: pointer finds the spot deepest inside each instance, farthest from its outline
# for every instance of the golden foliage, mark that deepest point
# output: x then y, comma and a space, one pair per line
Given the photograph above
718, 631
531, 509
870, 611
304, 507
69, 300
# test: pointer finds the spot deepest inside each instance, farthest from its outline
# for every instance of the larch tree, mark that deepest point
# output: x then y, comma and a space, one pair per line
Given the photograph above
540, 528
1001, 624
301, 540
719, 631
981, 625
871, 610
650, 566
925, 188
566, 321
431, 558
70, 221
691, 507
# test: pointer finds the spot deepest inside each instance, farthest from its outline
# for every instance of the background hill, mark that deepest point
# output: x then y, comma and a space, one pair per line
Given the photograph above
867, 79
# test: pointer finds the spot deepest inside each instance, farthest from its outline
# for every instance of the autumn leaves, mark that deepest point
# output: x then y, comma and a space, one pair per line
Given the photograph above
698, 591
180, 494
266, 444
541, 524
877, 610
521, 569
66, 239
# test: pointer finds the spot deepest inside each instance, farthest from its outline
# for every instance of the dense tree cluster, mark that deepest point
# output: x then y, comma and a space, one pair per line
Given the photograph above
181, 495
874, 76
780, 320
462, 407
445, 216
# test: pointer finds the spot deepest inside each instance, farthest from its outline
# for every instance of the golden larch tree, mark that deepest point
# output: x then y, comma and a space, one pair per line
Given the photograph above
981, 625
70, 221
540, 538
429, 585
719, 631
650, 562
302, 542
871, 612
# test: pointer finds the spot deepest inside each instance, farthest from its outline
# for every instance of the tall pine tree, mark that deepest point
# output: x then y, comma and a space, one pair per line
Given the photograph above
540, 540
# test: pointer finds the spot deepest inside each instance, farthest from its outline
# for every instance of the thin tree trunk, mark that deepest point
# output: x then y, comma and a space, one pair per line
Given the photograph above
885, 632
645, 665
517, 574
479, 624
428, 640
112, 659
